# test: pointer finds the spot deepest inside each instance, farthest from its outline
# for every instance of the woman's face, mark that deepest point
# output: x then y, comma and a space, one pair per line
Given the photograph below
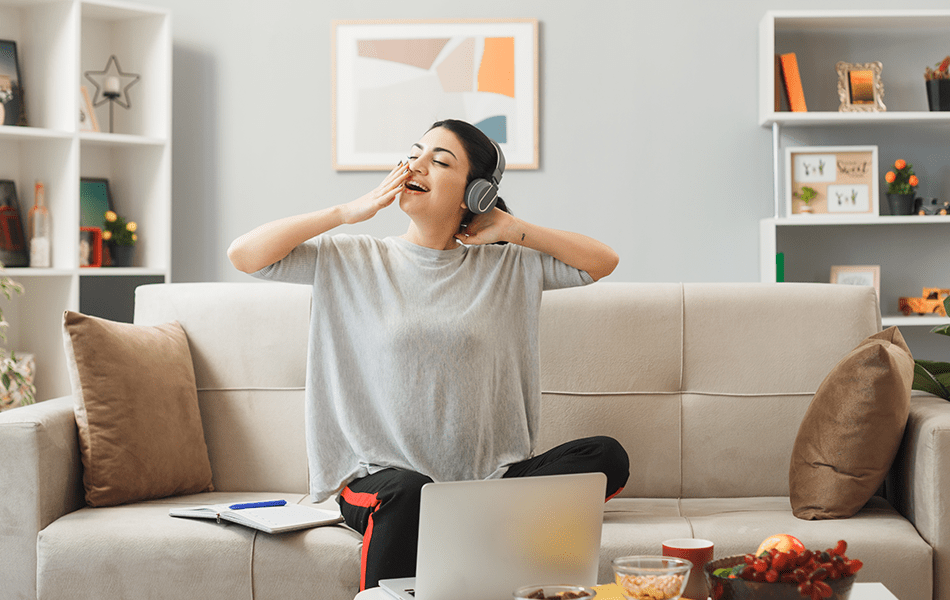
438, 168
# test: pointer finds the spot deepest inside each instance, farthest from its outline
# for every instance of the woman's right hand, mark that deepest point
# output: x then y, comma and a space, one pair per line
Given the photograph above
365, 207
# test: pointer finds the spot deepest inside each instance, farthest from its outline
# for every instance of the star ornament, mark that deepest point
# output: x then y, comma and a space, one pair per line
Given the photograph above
112, 84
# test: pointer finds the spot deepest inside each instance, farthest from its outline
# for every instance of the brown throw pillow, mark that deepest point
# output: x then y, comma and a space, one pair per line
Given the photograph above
852, 429
136, 406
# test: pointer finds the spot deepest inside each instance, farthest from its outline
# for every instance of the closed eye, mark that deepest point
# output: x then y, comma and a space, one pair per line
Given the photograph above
438, 162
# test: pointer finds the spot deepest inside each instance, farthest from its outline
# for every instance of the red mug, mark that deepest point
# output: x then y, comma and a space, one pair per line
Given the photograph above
697, 551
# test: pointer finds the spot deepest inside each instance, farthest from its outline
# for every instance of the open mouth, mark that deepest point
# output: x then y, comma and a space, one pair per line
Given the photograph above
415, 187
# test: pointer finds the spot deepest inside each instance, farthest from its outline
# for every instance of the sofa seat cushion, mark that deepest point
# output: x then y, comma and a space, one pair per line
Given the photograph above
139, 551
885, 541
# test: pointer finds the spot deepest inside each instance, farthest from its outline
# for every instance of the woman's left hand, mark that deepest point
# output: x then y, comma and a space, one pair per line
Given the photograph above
488, 228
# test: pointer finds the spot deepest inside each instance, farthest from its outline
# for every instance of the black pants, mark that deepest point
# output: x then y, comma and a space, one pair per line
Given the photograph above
384, 507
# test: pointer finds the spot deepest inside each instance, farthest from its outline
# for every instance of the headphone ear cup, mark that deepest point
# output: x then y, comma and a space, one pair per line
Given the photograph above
481, 196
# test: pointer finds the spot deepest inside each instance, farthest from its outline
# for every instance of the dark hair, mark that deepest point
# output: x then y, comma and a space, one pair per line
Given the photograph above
482, 157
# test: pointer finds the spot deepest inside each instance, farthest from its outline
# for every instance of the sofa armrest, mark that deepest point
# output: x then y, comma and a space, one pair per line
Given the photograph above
919, 481
41, 479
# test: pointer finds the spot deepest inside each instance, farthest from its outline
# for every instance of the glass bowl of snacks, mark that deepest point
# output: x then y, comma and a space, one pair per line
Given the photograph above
651, 577
552, 592
784, 575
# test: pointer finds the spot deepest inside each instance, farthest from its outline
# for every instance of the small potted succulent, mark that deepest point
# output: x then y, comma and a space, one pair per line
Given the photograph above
938, 85
901, 195
806, 195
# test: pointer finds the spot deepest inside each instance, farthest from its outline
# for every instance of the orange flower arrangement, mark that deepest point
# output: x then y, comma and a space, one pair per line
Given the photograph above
941, 72
902, 179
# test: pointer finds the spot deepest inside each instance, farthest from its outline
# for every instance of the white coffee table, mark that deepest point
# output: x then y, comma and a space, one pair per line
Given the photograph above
860, 591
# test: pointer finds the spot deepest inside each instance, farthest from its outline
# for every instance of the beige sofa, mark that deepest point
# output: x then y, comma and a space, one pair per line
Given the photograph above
704, 384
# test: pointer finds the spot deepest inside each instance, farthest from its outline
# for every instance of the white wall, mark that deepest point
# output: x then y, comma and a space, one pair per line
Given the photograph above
649, 135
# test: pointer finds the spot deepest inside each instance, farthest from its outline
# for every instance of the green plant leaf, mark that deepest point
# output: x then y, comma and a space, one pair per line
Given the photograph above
932, 377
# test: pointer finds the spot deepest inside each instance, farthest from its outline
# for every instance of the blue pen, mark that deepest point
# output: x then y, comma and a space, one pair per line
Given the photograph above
258, 504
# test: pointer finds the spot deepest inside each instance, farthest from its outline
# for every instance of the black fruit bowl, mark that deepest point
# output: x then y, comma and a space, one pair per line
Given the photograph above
723, 588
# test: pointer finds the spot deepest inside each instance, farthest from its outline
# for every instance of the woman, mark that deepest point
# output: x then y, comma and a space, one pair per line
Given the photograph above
423, 358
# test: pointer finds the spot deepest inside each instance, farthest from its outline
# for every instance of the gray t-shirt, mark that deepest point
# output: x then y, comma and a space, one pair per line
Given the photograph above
420, 359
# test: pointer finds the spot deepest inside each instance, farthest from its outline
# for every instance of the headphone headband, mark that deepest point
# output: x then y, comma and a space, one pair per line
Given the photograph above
499, 163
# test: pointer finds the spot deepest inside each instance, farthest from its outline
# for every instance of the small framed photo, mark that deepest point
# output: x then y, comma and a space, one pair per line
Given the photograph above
90, 246
87, 115
831, 180
12, 109
857, 275
860, 88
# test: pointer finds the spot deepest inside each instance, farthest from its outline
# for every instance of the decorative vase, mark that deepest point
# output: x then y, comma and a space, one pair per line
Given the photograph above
902, 204
938, 94
12, 395
3, 113
123, 256
806, 209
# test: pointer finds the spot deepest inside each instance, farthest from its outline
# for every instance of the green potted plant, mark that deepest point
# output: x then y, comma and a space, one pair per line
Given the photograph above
806, 195
121, 238
933, 376
901, 196
938, 85
16, 374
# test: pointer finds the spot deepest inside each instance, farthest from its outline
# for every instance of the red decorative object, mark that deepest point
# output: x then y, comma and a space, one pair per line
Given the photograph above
90, 247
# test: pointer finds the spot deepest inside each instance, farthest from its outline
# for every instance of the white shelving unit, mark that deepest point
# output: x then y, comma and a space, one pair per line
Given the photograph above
58, 41
912, 250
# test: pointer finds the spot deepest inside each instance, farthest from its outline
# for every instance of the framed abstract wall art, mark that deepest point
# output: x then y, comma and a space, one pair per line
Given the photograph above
393, 79
831, 181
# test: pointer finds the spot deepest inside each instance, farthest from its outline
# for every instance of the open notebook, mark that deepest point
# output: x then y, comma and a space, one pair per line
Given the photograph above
269, 517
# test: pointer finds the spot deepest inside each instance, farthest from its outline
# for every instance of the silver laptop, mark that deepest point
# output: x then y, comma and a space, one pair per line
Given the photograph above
481, 540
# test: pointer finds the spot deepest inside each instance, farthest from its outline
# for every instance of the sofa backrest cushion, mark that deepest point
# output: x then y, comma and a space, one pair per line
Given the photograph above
704, 384
248, 342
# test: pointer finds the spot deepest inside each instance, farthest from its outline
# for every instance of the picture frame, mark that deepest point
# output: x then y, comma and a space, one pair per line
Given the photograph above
90, 246
13, 248
860, 87
844, 177
95, 198
11, 86
87, 114
857, 275
391, 79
